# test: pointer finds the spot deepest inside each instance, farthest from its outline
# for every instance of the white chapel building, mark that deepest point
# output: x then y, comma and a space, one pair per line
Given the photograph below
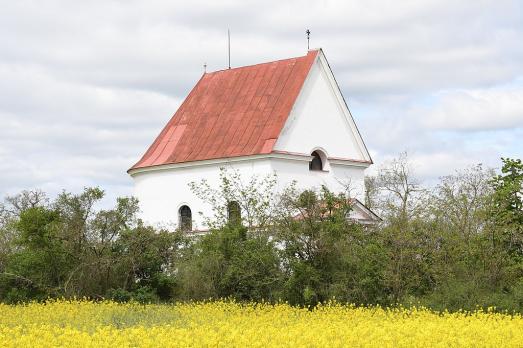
286, 117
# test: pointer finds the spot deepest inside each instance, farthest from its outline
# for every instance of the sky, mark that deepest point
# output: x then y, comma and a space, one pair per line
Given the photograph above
86, 86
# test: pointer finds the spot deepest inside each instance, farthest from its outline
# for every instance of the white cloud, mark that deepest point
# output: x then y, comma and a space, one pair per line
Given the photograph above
86, 86
480, 109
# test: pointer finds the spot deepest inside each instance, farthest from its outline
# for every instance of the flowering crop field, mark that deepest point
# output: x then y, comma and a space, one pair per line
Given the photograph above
229, 324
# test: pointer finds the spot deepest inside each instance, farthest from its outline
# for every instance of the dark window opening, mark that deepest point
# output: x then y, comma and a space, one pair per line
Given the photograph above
185, 218
234, 213
316, 163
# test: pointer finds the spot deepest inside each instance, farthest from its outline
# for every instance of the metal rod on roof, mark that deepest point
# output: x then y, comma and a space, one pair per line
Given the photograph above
308, 32
229, 45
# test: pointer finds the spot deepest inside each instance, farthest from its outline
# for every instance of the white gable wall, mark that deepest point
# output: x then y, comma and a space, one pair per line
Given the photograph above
320, 118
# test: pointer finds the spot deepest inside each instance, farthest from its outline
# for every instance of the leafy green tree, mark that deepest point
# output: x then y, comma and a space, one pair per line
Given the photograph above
507, 204
230, 262
69, 248
41, 263
406, 238
325, 255
238, 257
145, 259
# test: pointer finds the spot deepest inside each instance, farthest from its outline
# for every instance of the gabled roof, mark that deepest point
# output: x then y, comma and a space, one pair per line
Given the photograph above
230, 113
362, 214
359, 212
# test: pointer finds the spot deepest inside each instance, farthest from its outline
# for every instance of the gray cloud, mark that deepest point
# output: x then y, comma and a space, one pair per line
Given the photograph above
86, 86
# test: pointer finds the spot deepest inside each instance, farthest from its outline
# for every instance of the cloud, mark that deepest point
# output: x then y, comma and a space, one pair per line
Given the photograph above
376, 46
480, 109
86, 86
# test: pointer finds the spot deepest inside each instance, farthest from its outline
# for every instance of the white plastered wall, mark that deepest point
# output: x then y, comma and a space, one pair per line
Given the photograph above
162, 192
320, 118
339, 178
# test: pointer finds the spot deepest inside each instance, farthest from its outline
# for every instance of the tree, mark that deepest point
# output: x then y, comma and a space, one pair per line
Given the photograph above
460, 200
41, 263
325, 255
147, 259
406, 239
399, 190
507, 204
371, 191
69, 248
24, 200
255, 197
10, 211
229, 262
238, 257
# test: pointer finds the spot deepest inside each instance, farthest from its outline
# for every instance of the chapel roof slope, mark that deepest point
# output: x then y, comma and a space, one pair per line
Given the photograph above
231, 113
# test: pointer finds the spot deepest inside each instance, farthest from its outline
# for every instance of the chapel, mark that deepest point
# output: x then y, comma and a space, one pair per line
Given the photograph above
287, 117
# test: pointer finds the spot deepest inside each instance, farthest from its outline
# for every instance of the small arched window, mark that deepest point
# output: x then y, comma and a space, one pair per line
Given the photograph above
316, 163
185, 218
234, 213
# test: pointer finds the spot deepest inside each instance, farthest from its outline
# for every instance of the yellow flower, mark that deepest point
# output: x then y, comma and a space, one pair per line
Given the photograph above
83, 323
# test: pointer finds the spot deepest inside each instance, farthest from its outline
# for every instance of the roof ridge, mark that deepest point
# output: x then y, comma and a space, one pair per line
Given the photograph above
263, 63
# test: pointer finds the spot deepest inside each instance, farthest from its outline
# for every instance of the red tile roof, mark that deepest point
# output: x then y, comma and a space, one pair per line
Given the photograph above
230, 113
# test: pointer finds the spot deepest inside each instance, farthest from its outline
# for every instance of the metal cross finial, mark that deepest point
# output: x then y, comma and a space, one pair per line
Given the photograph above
204, 67
308, 32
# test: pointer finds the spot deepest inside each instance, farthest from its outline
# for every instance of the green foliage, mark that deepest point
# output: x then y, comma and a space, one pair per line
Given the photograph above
325, 254
230, 262
41, 259
142, 295
456, 246
507, 205
145, 295
509, 189
119, 295
68, 248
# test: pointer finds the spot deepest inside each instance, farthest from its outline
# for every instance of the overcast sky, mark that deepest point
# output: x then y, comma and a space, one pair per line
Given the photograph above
85, 86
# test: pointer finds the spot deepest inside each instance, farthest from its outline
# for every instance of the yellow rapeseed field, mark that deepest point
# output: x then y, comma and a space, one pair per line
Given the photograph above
229, 324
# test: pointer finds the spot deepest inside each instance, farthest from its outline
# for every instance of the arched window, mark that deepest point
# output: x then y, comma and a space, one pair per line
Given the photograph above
316, 163
185, 218
234, 213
